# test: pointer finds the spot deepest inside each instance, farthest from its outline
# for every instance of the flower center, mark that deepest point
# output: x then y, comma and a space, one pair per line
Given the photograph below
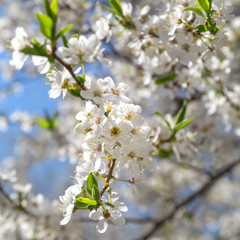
116, 92
115, 131
131, 155
97, 93
106, 214
128, 116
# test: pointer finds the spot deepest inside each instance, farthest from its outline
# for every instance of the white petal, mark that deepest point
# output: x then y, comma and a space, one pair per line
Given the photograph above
18, 59
123, 87
54, 92
145, 10
121, 206
102, 226
95, 215
65, 220
117, 218
115, 197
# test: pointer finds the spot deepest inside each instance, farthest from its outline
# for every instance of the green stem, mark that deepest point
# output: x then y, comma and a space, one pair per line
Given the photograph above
122, 180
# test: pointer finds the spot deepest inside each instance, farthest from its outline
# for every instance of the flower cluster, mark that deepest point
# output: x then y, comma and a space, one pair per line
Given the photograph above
113, 131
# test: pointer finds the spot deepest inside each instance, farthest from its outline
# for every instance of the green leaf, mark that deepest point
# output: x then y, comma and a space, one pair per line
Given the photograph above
54, 9
31, 51
87, 201
37, 50
45, 25
48, 123
213, 29
165, 153
47, 8
43, 122
108, 8
194, 9
91, 181
202, 28
159, 114
109, 204
80, 204
166, 78
204, 5
63, 31
183, 124
168, 124
210, 4
116, 7
181, 113
95, 193
65, 43
91, 207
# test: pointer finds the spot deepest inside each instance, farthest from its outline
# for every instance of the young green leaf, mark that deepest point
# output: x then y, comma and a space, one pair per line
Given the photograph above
54, 9
168, 124
32, 51
183, 124
63, 31
158, 113
194, 9
108, 8
48, 123
87, 201
91, 181
45, 24
91, 207
204, 5
65, 43
181, 113
47, 8
43, 122
213, 29
116, 7
166, 78
202, 28
37, 50
95, 193
80, 204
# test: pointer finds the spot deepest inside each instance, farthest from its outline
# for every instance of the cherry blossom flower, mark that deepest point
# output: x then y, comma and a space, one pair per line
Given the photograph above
109, 213
20, 41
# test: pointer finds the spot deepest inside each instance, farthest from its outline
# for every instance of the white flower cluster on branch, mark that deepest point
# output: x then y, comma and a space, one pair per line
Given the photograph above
173, 58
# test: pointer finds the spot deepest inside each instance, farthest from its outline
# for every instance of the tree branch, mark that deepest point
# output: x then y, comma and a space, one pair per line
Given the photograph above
202, 190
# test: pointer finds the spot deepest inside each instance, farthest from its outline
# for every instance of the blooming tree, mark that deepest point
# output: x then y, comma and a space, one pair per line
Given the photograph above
153, 130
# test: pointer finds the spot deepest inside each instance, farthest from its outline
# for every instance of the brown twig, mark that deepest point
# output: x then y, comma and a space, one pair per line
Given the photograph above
67, 66
109, 176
